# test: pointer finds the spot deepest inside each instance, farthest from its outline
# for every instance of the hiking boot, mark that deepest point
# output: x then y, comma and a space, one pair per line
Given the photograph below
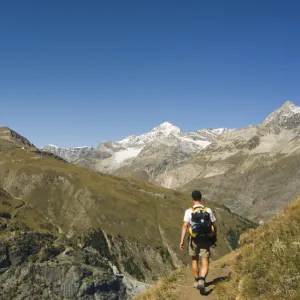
195, 285
201, 286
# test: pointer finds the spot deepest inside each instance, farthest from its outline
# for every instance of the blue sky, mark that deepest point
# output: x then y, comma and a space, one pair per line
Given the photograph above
80, 72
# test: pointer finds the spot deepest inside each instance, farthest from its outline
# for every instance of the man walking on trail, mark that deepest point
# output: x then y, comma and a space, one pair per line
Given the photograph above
200, 221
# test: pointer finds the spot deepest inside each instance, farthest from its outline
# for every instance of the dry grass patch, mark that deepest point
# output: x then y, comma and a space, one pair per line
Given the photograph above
167, 288
267, 265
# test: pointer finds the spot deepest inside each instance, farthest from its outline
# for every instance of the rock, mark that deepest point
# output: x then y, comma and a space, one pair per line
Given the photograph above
4, 259
33, 267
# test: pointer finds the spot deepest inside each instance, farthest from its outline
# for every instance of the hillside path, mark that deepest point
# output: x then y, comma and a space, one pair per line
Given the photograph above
215, 275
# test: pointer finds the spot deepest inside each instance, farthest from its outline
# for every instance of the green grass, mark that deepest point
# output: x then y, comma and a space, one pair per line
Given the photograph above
77, 199
268, 263
15, 211
165, 289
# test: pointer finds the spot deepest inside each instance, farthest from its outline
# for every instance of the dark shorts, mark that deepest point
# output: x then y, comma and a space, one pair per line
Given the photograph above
198, 247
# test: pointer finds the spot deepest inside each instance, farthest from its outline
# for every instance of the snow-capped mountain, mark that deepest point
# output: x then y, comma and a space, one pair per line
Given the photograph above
287, 116
110, 156
164, 145
161, 131
69, 154
202, 138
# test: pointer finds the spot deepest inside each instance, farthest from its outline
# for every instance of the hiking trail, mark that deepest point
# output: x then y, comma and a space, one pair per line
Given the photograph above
215, 275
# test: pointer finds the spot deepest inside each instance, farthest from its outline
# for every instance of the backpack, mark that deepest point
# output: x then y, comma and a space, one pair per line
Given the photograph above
201, 223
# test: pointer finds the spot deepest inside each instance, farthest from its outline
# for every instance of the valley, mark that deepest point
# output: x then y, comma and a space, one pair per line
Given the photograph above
82, 234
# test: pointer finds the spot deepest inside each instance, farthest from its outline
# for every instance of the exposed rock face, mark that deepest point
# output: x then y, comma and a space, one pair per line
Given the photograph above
10, 135
68, 154
38, 262
287, 116
33, 266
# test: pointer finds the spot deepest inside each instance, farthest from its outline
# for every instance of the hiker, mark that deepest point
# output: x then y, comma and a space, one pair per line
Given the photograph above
200, 222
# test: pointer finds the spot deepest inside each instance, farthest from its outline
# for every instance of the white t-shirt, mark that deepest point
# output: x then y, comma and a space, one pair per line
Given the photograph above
188, 214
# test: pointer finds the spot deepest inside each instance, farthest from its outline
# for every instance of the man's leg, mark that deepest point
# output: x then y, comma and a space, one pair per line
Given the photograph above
205, 254
194, 253
204, 267
195, 266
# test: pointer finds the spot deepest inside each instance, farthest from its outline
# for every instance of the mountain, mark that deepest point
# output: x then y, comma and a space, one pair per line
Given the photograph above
142, 156
69, 154
254, 170
68, 232
6, 134
288, 116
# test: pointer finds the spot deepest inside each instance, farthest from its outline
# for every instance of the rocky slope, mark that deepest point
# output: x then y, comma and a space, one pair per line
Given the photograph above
68, 232
253, 170
68, 154
142, 156
37, 262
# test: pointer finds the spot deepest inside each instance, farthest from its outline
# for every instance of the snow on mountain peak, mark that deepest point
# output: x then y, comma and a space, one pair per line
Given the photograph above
161, 131
166, 128
219, 131
119, 153
52, 146
282, 114
210, 134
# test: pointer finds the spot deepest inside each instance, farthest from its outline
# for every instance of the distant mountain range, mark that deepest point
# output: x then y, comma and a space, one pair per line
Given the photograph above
113, 157
254, 170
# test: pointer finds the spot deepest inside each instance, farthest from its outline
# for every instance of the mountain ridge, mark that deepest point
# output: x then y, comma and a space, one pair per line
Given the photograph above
234, 156
161, 131
108, 157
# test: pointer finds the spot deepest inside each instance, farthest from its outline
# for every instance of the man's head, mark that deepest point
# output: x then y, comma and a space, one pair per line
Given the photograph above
197, 196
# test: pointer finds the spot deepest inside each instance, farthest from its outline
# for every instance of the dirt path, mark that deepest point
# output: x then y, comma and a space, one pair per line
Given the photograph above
215, 275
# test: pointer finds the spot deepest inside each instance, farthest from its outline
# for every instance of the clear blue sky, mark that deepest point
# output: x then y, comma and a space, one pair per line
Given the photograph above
80, 72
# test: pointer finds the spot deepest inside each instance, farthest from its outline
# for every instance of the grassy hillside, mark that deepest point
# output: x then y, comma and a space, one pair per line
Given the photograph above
167, 288
39, 263
16, 211
267, 265
74, 197
130, 222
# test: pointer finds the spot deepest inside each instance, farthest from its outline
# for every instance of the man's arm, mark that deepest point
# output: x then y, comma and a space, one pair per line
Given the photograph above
185, 227
215, 228
213, 220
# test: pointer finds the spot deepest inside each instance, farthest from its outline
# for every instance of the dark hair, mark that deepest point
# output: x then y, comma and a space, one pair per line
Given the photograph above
196, 195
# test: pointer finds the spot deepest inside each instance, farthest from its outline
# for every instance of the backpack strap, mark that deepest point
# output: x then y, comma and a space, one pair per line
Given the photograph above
195, 209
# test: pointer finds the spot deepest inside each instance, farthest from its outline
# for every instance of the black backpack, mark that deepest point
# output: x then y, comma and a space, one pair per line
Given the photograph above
202, 223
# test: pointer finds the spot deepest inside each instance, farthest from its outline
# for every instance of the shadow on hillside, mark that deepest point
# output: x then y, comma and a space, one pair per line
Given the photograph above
216, 280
